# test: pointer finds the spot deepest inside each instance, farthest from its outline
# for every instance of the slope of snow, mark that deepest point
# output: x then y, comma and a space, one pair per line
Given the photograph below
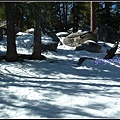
58, 87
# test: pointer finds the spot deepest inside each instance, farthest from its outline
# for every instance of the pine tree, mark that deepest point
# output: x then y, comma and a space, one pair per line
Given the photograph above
93, 16
2, 12
36, 55
80, 14
11, 54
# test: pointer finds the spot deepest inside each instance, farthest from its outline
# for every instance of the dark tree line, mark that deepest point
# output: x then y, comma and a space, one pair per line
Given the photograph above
61, 16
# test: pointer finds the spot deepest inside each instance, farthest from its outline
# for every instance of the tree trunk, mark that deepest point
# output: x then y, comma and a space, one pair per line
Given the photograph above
93, 16
74, 21
75, 17
21, 22
60, 17
64, 17
11, 54
36, 55
117, 16
66, 13
107, 14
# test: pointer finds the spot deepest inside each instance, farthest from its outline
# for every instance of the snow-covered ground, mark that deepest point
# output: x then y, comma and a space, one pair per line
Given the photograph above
58, 87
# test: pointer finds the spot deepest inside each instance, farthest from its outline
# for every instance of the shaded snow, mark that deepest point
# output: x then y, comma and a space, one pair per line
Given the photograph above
58, 87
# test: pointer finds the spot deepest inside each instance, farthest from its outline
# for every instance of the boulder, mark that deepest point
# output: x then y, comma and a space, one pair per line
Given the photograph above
108, 33
73, 42
52, 44
89, 46
88, 36
74, 39
49, 46
55, 39
73, 35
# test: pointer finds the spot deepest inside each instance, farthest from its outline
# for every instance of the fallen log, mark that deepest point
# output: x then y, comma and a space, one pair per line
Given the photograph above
111, 53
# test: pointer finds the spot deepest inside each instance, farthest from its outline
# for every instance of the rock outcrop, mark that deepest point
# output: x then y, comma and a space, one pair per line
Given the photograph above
89, 46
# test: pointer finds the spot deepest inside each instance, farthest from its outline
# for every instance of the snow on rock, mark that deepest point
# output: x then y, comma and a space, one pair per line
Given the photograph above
22, 33
31, 30
62, 34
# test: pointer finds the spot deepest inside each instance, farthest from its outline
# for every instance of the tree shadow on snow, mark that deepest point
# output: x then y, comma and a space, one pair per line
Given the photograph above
69, 79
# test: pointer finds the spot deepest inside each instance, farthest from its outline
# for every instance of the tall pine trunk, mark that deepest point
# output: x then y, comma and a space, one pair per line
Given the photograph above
61, 24
11, 54
93, 16
74, 21
36, 55
21, 21
117, 16
65, 15
108, 21
75, 17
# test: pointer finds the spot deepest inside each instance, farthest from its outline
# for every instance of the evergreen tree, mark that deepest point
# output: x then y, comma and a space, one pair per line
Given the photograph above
2, 12
109, 11
11, 54
36, 55
80, 14
20, 10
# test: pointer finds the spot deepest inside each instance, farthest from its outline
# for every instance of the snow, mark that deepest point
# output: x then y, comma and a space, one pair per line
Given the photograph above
62, 33
89, 41
58, 87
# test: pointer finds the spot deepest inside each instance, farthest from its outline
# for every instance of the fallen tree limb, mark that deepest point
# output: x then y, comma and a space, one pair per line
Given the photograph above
111, 53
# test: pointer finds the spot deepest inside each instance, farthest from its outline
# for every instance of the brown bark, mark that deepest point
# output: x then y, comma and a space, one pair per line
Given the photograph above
11, 54
93, 16
75, 17
108, 21
36, 55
